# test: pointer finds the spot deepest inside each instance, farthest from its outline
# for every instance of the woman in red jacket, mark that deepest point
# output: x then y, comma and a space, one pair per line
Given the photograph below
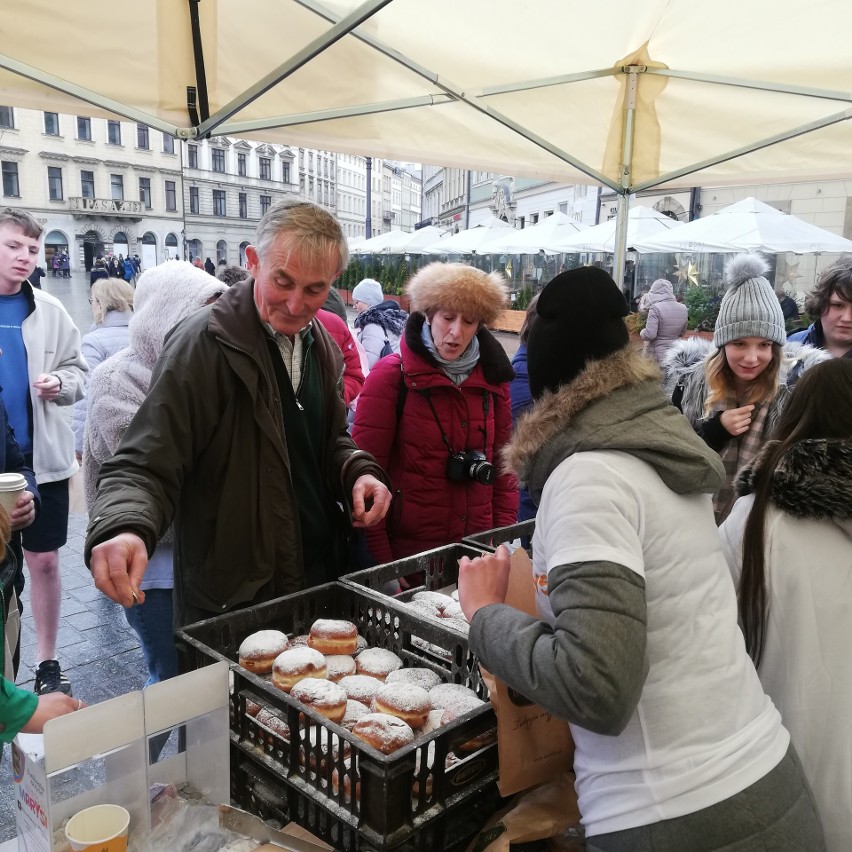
437, 415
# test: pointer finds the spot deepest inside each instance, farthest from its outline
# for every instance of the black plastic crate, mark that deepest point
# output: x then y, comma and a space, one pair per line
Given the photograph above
383, 798
259, 791
490, 540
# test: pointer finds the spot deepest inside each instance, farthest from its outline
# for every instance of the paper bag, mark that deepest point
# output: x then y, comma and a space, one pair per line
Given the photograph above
76, 494
534, 746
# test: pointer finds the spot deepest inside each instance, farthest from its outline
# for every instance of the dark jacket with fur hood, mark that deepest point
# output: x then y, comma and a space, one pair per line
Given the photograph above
429, 510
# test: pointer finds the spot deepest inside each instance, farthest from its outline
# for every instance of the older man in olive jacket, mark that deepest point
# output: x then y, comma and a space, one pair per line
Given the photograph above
242, 440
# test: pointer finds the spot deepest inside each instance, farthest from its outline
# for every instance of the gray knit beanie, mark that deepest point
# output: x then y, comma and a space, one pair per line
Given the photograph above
750, 308
368, 291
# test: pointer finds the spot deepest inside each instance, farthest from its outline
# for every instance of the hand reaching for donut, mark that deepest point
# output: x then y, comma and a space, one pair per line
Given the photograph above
483, 581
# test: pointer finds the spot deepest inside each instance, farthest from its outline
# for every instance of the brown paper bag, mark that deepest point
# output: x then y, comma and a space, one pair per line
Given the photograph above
534, 746
547, 812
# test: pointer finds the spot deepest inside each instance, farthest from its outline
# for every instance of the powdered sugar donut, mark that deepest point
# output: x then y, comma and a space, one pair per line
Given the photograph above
424, 678
258, 651
355, 710
333, 636
360, 688
322, 695
434, 720
454, 697
405, 701
384, 733
296, 664
436, 599
273, 723
377, 663
339, 665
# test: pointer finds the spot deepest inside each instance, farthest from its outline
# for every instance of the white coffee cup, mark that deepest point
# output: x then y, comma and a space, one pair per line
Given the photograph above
12, 485
98, 827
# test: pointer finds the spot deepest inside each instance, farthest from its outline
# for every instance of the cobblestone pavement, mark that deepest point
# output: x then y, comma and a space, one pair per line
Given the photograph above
96, 647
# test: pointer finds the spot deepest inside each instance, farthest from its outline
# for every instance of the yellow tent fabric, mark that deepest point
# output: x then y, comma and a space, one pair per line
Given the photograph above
532, 87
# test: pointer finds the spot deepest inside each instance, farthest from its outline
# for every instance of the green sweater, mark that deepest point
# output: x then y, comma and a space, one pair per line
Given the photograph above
16, 705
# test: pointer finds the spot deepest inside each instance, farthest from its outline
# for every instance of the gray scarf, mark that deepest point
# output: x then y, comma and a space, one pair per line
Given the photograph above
456, 371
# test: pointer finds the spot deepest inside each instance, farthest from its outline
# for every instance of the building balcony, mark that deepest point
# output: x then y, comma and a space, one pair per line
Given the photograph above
388, 215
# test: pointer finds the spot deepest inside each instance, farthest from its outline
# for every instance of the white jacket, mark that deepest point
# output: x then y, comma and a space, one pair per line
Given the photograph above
52, 342
804, 668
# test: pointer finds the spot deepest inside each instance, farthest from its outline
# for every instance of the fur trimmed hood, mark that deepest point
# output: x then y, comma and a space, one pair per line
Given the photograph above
615, 403
812, 480
684, 364
458, 287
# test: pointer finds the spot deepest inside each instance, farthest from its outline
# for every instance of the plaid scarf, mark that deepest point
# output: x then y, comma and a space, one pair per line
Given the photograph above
738, 453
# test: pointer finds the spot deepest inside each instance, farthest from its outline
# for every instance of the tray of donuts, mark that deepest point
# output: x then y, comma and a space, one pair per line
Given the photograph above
430, 593
334, 694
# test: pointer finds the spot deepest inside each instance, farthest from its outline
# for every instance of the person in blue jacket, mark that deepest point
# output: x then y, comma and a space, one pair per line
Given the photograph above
519, 390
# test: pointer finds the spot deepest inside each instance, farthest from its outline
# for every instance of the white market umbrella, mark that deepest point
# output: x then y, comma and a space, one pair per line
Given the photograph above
380, 243
416, 242
355, 243
642, 222
747, 225
474, 240
542, 235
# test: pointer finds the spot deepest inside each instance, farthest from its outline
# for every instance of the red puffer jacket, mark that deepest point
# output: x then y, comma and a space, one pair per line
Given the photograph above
429, 510
353, 375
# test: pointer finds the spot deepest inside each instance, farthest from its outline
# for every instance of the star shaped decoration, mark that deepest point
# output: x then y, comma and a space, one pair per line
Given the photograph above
793, 271
687, 273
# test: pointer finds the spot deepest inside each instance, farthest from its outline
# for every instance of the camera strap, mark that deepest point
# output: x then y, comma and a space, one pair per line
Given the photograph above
428, 396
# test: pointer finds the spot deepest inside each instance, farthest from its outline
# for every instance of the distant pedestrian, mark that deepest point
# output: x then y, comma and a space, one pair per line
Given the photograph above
380, 323
35, 276
129, 271
65, 265
666, 320
210, 267
99, 270
54, 264
788, 306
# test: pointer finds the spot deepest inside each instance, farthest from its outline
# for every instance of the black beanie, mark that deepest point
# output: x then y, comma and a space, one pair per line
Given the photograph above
580, 318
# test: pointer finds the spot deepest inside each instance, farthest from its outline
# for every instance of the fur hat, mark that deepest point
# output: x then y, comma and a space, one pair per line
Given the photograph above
750, 308
368, 291
458, 287
580, 318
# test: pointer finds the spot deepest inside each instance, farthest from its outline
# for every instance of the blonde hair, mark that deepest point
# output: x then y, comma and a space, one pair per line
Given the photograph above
721, 380
110, 294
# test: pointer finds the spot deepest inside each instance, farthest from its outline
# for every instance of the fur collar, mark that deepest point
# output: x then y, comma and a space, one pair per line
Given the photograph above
614, 404
496, 367
813, 479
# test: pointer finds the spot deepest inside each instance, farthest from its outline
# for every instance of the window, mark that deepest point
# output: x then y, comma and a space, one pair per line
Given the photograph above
116, 183
84, 128
265, 203
243, 206
142, 136
241, 164
51, 124
171, 195
193, 156
7, 117
87, 184
285, 172
218, 202
193, 199
145, 192
265, 168
10, 180
114, 132
54, 183
218, 160
168, 143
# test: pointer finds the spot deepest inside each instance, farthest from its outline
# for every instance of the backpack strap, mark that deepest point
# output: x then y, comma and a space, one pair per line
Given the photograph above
403, 392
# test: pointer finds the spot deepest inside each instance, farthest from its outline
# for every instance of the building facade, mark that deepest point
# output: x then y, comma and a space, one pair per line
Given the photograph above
97, 186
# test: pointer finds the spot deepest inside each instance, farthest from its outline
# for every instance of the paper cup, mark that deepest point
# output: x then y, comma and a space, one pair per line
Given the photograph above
101, 827
12, 485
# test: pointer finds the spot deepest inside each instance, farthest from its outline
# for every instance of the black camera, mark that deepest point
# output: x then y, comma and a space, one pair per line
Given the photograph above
471, 464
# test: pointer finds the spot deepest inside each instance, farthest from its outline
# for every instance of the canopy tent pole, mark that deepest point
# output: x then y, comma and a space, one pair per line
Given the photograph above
623, 208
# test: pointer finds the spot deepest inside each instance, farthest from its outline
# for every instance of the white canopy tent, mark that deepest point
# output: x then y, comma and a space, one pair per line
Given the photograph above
542, 235
416, 242
748, 225
642, 223
381, 242
475, 240
676, 94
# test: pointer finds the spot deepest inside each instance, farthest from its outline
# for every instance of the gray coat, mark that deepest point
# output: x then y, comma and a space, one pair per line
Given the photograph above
666, 320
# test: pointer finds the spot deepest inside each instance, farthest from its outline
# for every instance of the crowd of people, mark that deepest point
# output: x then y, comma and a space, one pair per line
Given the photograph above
241, 442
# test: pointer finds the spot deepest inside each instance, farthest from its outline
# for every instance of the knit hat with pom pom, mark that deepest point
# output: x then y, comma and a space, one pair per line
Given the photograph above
750, 308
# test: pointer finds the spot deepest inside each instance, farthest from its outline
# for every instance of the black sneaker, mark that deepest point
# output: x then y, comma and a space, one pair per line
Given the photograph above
49, 678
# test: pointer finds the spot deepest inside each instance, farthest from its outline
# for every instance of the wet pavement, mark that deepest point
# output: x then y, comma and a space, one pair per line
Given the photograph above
96, 647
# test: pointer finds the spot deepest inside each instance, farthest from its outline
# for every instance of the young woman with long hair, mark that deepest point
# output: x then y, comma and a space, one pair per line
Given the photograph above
788, 542
733, 390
